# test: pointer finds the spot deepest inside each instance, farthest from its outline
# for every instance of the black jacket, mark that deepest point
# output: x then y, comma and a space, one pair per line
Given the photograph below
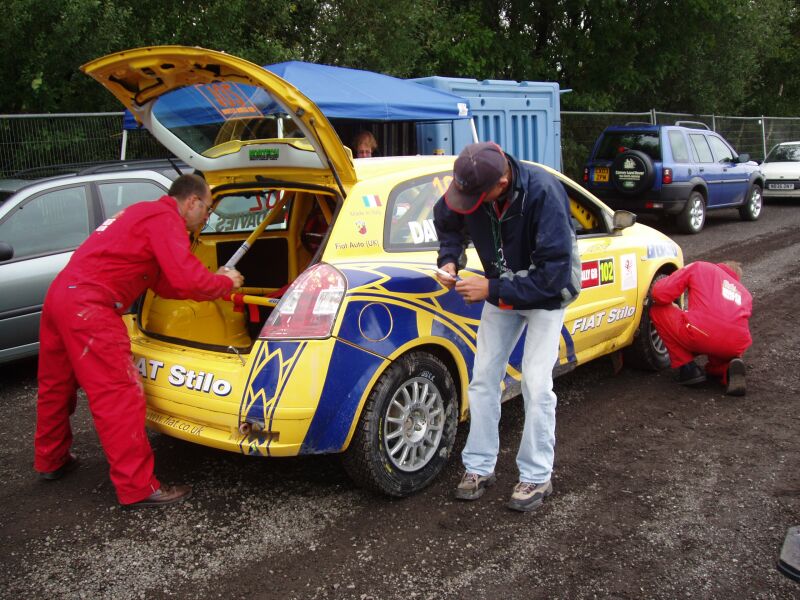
537, 241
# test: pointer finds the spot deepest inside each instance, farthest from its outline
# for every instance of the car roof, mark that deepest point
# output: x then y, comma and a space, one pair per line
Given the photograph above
652, 127
111, 166
160, 170
169, 168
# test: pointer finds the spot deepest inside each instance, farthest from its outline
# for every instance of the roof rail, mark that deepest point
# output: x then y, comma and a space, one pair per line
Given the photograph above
88, 168
132, 165
638, 123
693, 125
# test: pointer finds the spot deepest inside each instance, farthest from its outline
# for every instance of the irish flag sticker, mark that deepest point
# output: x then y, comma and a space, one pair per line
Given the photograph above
371, 201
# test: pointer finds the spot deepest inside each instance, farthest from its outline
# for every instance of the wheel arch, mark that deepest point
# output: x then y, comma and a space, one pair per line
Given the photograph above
442, 349
664, 268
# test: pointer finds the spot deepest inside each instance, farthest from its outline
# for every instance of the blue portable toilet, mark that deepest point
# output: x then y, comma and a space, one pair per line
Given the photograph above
523, 117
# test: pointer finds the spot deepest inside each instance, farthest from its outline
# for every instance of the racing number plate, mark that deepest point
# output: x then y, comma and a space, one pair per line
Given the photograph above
601, 174
781, 186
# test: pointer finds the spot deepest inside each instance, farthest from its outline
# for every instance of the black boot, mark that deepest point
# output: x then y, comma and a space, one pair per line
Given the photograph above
690, 374
736, 370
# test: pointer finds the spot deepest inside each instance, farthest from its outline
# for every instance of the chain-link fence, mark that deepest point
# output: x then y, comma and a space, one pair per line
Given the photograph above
32, 141
28, 141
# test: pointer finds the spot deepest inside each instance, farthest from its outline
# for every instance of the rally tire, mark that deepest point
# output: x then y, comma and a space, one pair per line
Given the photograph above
407, 429
648, 351
693, 216
754, 202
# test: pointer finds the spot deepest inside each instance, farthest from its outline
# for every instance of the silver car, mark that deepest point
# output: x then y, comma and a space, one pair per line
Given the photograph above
42, 224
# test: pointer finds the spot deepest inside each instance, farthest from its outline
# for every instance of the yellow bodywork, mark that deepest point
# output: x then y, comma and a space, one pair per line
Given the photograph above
210, 378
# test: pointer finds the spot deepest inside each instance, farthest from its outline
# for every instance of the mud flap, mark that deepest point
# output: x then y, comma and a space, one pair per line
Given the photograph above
789, 562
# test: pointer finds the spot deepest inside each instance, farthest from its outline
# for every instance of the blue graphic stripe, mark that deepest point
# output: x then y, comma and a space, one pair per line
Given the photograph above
569, 344
349, 372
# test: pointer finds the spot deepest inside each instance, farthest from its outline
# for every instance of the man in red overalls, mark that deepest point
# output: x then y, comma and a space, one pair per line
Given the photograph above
84, 342
715, 324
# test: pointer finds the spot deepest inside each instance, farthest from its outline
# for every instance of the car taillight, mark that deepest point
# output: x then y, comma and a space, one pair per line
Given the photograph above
585, 174
308, 308
667, 176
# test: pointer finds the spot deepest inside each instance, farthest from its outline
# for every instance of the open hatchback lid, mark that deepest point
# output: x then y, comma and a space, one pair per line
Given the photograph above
226, 116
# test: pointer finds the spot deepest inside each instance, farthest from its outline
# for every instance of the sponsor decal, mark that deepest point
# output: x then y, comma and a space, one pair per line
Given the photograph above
662, 250
229, 100
180, 376
629, 274
174, 423
361, 227
730, 292
263, 154
422, 232
371, 201
629, 164
597, 272
597, 319
360, 244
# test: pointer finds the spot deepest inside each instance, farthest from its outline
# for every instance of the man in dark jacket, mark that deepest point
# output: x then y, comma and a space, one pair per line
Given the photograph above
84, 343
715, 324
518, 217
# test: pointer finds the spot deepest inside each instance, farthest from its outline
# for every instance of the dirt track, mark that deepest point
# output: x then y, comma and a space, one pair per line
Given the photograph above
660, 491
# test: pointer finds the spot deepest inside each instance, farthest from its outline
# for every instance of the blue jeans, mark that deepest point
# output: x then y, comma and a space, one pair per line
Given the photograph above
498, 333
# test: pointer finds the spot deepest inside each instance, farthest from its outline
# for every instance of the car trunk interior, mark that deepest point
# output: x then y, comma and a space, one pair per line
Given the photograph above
295, 223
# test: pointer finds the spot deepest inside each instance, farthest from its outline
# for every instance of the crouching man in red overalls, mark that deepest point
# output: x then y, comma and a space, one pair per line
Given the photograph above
84, 342
715, 324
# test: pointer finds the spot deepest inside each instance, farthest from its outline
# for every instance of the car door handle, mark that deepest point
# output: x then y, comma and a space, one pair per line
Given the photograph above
701, 169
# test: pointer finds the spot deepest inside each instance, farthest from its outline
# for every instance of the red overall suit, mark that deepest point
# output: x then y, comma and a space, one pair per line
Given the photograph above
84, 342
716, 322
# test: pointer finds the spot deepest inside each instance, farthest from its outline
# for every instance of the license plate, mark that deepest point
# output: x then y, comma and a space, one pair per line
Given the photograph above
601, 174
781, 186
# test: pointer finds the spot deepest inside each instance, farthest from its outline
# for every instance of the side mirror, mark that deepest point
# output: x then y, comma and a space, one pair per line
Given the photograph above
743, 158
6, 251
623, 219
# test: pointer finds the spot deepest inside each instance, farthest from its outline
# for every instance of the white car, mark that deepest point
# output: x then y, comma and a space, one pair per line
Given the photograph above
781, 169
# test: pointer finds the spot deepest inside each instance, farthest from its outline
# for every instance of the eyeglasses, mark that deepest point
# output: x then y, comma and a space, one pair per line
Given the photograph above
207, 207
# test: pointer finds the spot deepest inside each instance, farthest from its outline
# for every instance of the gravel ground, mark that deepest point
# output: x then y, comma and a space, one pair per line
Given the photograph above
660, 491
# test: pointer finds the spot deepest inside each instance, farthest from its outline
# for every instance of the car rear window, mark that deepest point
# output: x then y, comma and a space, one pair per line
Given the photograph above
242, 212
615, 142
680, 152
410, 226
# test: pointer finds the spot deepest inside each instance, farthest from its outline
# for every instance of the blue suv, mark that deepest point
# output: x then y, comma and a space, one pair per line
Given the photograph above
682, 170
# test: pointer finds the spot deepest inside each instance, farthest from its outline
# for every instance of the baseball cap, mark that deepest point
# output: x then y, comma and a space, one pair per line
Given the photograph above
476, 171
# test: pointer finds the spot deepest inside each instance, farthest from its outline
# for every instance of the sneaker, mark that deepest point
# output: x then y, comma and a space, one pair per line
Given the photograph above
736, 370
166, 494
690, 374
528, 496
473, 485
69, 466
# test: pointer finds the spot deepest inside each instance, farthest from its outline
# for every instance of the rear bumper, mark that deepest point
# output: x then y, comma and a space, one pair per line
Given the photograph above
670, 199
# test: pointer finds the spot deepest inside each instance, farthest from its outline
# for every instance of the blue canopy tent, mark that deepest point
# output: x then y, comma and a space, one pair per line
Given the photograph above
354, 94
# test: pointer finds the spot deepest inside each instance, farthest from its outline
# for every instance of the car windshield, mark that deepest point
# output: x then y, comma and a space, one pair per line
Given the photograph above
784, 153
614, 142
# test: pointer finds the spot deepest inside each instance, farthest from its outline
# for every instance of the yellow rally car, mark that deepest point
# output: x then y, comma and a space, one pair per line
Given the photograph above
343, 340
